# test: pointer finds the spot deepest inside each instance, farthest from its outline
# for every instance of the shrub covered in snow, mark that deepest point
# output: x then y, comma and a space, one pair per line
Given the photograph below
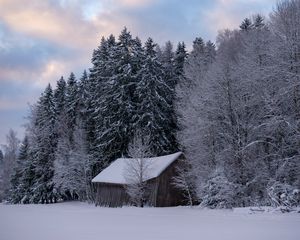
282, 194
219, 192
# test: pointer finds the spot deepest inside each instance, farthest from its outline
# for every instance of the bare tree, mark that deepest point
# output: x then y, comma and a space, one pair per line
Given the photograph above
185, 181
137, 169
9, 161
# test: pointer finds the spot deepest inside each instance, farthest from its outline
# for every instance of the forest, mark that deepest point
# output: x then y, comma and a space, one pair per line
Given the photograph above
231, 106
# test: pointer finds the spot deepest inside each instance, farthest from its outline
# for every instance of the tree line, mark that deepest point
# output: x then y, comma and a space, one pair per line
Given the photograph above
231, 107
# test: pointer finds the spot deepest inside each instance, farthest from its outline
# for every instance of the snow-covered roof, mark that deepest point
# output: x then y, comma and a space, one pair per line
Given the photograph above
115, 172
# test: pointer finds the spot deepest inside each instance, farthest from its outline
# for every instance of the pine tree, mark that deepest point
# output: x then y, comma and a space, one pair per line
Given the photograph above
82, 95
17, 190
60, 111
246, 25
210, 54
43, 149
1, 157
115, 131
167, 60
258, 21
179, 60
60, 96
28, 178
71, 106
155, 108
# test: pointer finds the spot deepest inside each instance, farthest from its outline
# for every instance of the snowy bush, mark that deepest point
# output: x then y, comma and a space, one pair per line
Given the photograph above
219, 192
282, 194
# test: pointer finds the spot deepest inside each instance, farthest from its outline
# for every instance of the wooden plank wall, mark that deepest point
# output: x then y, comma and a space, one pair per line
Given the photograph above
111, 195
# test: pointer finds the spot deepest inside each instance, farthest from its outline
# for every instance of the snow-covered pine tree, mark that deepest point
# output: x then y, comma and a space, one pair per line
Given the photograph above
210, 54
194, 67
179, 60
28, 175
82, 95
116, 102
43, 148
1, 157
246, 25
71, 103
155, 108
59, 101
100, 73
60, 96
167, 59
17, 189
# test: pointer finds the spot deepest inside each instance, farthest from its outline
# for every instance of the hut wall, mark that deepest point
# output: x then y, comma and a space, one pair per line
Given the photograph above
167, 194
162, 192
152, 189
111, 195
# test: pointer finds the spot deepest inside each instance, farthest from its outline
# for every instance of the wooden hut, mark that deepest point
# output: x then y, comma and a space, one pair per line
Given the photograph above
111, 183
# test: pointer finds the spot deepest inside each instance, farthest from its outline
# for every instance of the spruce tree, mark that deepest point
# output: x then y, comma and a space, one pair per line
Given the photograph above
171, 79
179, 60
246, 25
60, 96
167, 60
154, 106
28, 178
18, 189
210, 54
116, 102
1, 157
44, 145
71, 105
82, 95
98, 80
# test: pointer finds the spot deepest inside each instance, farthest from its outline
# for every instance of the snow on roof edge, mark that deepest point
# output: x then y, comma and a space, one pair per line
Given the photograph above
176, 156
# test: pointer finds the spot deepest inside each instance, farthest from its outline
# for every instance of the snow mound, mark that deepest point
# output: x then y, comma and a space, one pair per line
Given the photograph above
114, 173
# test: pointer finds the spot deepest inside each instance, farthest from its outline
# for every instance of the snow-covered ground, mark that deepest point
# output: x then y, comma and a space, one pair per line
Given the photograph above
81, 221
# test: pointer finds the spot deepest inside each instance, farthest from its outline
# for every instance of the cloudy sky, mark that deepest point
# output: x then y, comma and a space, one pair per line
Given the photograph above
40, 40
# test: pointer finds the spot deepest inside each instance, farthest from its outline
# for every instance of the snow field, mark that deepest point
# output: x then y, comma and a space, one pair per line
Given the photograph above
81, 221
